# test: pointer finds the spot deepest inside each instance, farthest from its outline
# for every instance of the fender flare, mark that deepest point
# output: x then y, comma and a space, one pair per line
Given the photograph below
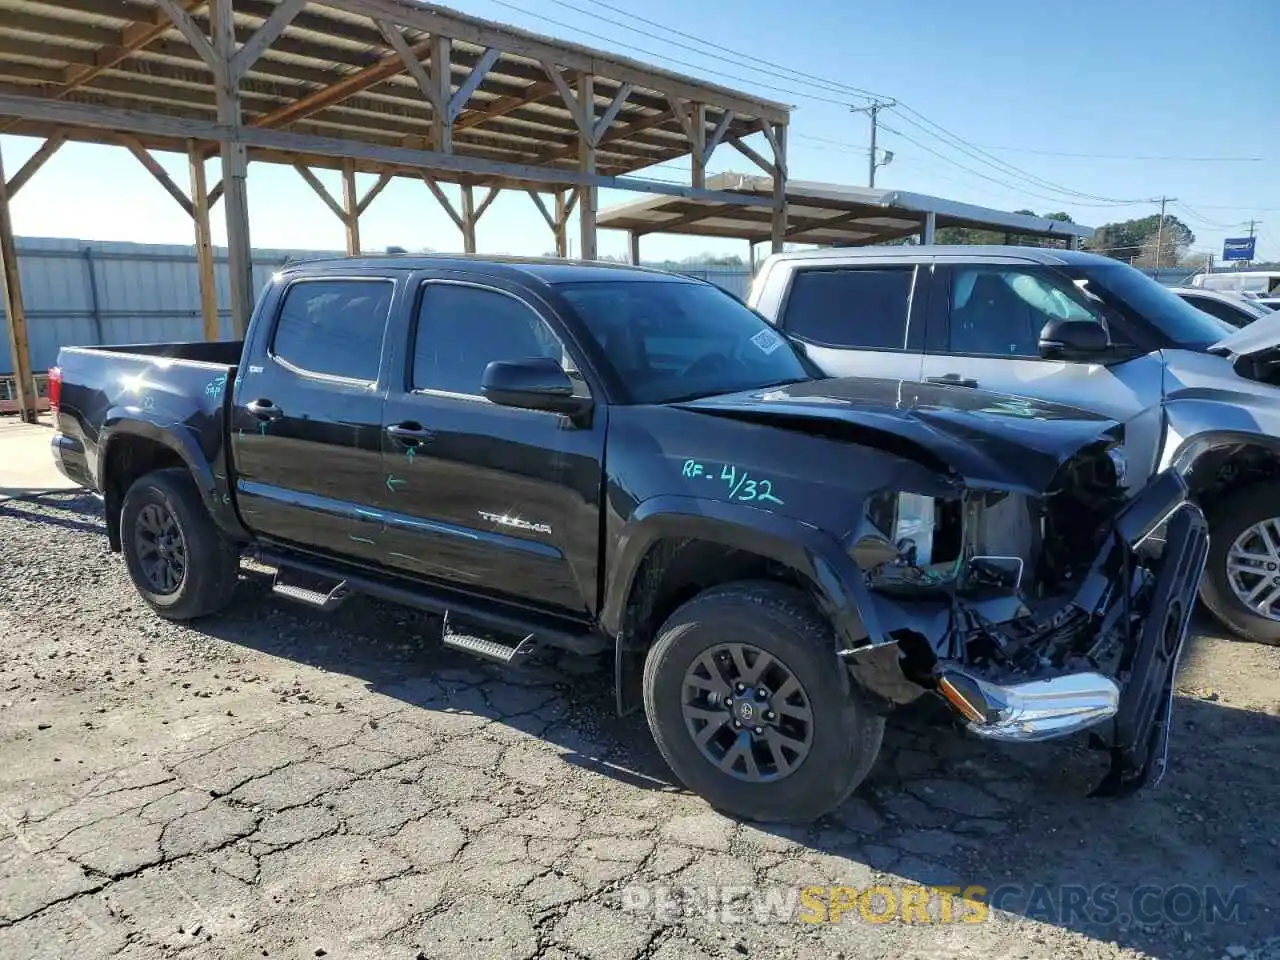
828, 572
182, 440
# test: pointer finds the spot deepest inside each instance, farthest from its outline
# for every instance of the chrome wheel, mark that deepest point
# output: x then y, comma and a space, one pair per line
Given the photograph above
161, 548
1253, 568
747, 712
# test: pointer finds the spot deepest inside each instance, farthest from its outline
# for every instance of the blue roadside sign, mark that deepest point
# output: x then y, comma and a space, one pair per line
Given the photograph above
1238, 248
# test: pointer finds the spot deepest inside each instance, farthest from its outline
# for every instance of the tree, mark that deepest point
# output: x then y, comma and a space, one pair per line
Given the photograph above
1134, 241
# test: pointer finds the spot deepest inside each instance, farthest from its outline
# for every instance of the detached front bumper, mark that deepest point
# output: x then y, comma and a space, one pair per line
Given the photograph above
1137, 702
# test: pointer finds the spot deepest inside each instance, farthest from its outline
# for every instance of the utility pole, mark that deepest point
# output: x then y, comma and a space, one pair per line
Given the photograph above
1160, 229
873, 110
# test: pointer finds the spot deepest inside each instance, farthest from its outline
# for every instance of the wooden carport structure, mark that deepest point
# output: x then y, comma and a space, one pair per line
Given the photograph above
390, 88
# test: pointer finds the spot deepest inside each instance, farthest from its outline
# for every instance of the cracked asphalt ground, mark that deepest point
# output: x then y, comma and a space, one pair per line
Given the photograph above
275, 783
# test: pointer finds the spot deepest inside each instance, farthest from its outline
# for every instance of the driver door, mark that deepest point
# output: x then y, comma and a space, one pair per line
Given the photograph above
988, 337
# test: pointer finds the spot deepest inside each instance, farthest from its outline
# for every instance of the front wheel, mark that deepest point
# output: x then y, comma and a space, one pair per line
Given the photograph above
178, 559
751, 708
1241, 584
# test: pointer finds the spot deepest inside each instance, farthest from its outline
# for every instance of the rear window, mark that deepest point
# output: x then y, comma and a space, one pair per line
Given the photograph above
333, 327
865, 309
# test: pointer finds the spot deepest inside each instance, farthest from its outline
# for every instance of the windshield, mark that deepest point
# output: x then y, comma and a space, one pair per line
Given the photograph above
1181, 323
676, 340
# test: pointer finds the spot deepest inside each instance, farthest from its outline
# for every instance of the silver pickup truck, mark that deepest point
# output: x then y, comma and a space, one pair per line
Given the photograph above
1193, 392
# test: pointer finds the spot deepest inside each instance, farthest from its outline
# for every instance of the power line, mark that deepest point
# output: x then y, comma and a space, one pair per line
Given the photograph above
1126, 156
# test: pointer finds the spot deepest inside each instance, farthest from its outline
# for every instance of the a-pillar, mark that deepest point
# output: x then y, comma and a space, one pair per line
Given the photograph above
11, 294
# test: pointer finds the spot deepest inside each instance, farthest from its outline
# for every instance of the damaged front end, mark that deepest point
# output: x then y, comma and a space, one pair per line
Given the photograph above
1036, 615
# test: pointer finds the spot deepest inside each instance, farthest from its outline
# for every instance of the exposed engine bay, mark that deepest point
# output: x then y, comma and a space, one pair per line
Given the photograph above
1036, 617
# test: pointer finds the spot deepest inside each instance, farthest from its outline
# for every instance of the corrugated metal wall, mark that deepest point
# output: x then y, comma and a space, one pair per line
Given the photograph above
80, 292
87, 292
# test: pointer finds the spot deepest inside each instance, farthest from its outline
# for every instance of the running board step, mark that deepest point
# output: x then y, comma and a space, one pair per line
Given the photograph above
489, 649
315, 599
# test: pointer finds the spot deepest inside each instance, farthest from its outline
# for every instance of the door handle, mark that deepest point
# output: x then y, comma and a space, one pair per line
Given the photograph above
264, 410
410, 434
953, 380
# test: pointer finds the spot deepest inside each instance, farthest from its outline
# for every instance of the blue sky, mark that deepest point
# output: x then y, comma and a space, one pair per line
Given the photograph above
1042, 102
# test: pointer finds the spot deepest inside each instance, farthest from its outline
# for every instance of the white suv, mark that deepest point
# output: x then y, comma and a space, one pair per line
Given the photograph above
1192, 391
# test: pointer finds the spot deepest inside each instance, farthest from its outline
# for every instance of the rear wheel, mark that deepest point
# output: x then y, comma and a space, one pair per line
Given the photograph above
177, 557
1241, 584
751, 708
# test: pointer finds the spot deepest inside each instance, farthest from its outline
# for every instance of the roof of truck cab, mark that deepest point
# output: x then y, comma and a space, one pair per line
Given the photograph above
548, 270
951, 252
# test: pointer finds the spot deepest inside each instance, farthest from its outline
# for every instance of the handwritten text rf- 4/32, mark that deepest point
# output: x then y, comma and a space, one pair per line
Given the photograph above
740, 484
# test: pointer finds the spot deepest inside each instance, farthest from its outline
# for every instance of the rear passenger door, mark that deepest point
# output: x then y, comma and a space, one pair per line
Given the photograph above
489, 498
307, 421
859, 321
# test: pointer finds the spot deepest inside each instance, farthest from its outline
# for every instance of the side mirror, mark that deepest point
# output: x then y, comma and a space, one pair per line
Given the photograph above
538, 383
1084, 340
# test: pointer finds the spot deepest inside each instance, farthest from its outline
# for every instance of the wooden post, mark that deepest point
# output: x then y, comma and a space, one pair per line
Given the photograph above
235, 167
562, 222
779, 231
930, 228
588, 196
204, 242
634, 237
751, 257
351, 207
11, 292
698, 141
442, 87
468, 219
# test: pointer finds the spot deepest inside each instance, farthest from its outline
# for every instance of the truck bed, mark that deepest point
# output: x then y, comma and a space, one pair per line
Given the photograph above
203, 351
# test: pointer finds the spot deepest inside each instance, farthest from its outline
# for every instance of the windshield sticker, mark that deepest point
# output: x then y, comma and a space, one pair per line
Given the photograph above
740, 484
767, 341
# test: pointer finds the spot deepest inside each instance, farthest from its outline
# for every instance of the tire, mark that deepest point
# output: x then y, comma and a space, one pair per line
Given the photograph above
1227, 522
779, 620
211, 562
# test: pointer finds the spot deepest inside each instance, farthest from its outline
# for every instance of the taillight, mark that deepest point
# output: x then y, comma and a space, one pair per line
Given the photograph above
55, 388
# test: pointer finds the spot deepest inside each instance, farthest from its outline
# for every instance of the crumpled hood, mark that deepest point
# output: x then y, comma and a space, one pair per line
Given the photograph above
1262, 334
987, 439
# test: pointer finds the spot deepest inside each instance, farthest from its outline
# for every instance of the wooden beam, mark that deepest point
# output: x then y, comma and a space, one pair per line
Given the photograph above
204, 242
750, 154
439, 20
468, 219
716, 135
589, 196
383, 179
195, 36
442, 81
265, 35
350, 207
34, 163
573, 103
778, 139
698, 144
11, 300
693, 216
162, 176
489, 197
216, 193
808, 224
505, 105
610, 136
680, 110
570, 202
542, 208
314, 182
235, 165
410, 59
561, 228
318, 100
611, 112
286, 146
444, 200
474, 79
132, 38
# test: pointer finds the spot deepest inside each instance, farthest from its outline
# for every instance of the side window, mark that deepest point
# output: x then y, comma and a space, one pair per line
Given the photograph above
866, 309
1216, 308
333, 327
462, 329
1000, 311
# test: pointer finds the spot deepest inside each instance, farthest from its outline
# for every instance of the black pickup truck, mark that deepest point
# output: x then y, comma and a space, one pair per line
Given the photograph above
602, 458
